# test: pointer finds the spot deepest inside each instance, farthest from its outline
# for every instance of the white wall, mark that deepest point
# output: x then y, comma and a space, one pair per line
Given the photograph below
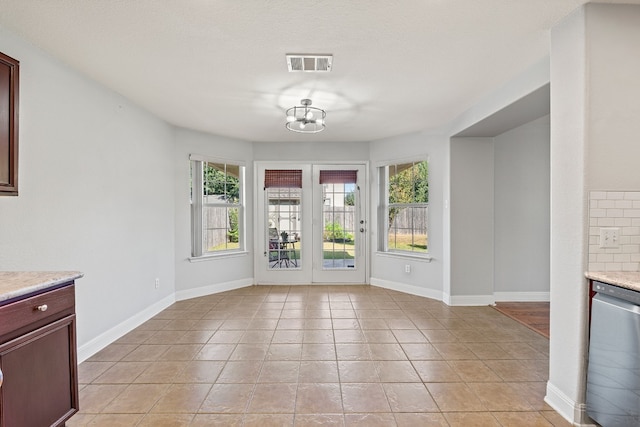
521, 212
308, 151
595, 103
426, 277
472, 216
96, 193
217, 273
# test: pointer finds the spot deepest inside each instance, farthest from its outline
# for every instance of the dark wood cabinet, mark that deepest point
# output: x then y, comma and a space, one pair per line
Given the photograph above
38, 359
9, 85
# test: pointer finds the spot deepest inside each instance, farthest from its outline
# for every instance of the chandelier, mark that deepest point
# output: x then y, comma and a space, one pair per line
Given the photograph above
305, 118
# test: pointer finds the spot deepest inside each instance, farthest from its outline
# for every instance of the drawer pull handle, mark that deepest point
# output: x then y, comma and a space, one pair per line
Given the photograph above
42, 307
1, 378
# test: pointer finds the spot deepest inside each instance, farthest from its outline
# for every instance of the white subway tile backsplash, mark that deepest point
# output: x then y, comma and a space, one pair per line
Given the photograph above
615, 195
623, 204
615, 209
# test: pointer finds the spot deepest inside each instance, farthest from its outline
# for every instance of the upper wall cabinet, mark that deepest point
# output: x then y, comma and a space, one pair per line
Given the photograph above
9, 84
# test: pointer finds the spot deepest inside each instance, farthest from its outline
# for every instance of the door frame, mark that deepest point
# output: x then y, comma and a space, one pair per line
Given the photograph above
304, 275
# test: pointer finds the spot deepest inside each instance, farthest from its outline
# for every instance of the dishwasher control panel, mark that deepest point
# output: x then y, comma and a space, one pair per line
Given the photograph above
616, 292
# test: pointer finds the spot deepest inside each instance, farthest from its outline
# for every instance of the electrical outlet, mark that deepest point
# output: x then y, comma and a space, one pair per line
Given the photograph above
609, 237
157, 283
407, 268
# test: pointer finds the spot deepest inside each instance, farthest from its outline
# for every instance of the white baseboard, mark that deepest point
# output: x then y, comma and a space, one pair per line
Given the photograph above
522, 296
570, 410
101, 341
213, 289
469, 300
409, 289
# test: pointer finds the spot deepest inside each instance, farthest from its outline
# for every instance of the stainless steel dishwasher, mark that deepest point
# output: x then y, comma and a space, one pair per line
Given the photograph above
613, 373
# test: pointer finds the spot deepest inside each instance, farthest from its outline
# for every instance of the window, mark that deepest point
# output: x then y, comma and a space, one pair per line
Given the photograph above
217, 207
403, 211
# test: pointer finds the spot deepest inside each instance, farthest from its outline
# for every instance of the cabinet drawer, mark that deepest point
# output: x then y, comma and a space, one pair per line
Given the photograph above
30, 310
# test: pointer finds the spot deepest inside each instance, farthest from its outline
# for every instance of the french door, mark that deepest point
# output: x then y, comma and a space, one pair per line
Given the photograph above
311, 223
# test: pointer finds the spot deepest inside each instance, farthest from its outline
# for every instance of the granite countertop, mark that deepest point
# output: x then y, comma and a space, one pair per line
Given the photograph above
624, 279
17, 283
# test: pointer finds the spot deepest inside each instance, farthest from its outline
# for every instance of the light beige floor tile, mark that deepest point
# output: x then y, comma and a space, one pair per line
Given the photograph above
318, 352
435, 371
454, 351
284, 352
379, 336
522, 419
250, 352
240, 372
396, 371
146, 353
227, 398
294, 351
313, 371
279, 372
409, 397
217, 420
339, 324
182, 398
318, 336
454, 397
369, 420
499, 397
215, 352
182, 352
473, 371
515, 370
166, 420
313, 398
358, 372
161, 372
200, 371
353, 352
89, 371
319, 420
136, 399
115, 420
165, 337
273, 399
421, 420
268, 420
348, 336
226, 337
122, 373
94, 397
112, 353
471, 419
364, 397
421, 352
387, 352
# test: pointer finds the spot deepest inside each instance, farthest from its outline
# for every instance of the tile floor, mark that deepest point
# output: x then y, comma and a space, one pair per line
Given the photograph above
319, 356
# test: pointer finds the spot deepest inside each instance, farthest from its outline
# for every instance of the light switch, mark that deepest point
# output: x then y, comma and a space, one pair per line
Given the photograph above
609, 237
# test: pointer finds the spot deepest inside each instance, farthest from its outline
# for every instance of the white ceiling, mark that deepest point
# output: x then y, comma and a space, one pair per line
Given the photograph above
219, 66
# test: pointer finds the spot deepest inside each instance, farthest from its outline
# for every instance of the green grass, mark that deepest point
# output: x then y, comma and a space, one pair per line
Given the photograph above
402, 242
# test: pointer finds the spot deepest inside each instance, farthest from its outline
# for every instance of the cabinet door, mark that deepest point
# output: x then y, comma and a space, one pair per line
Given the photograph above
40, 377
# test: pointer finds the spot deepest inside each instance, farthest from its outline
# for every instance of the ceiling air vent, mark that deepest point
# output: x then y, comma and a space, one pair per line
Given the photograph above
309, 63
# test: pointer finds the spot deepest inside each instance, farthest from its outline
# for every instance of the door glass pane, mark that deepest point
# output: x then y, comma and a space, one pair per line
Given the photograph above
338, 225
283, 233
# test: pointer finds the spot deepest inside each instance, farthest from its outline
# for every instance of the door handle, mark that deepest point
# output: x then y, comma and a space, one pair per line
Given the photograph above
1, 378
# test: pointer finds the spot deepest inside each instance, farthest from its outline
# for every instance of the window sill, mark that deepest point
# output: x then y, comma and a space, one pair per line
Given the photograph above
213, 257
425, 258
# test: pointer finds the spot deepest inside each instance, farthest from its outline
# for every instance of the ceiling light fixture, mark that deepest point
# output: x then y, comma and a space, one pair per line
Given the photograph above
305, 118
